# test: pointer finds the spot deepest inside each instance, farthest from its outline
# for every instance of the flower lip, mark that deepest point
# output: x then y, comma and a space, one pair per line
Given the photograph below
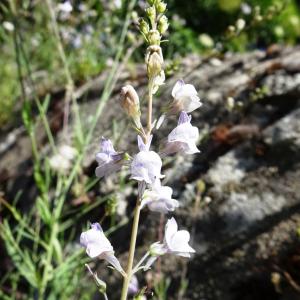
185, 98
97, 245
146, 165
177, 240
182, 139
108, 159
159, 199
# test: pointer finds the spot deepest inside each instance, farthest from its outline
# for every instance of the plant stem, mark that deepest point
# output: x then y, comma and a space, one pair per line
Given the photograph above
132, 248
136, 268
149, 112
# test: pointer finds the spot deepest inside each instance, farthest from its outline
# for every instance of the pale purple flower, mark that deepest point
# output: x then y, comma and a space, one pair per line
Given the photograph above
159, 199
146, 165
175, 242
133, 287
182, 139
185, 98
62, 160
108, 159
97, 245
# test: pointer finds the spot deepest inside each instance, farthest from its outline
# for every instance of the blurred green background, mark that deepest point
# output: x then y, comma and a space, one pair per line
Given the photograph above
90, 32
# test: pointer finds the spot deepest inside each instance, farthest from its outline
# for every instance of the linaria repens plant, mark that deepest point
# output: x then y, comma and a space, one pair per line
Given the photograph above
145, 166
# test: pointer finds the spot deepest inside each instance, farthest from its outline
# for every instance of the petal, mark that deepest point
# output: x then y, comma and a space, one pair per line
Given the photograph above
141, 144
178, 85
186, 90
183, 118
194, 104
111, 259
158, 206
102, 158
133, 287
170, 229
192, 148
145, 202
106, 146
96, 226
179, 242
93, 250
160, 121
90, 236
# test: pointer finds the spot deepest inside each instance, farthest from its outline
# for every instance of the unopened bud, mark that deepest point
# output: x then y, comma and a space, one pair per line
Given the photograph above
151, 13
131, 104
157, 249
151, 2
154, 61
100, 283
144, 27
163, 24
160, 7
154, 37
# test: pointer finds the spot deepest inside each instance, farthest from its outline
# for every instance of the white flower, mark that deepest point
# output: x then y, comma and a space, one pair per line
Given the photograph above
133, 287
185, 98
68, 152
175, 242
8, 26
65, 7
108, 159
97, 245
61, 161
146, 165
159, 199
183, 138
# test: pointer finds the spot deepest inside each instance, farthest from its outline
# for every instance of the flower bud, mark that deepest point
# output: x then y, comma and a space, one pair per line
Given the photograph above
151, 13
154, 61
144, 27
160, 6
154, 37
131, 104
157, 249
163, 24
100, 283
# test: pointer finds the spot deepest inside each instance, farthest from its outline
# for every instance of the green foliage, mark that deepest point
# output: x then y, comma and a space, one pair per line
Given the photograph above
280, 23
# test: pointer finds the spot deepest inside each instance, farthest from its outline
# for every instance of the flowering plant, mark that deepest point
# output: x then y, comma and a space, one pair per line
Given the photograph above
145, 166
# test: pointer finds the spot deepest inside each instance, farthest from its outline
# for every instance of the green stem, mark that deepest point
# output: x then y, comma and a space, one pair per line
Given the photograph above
129, 271
149, 112
136, 268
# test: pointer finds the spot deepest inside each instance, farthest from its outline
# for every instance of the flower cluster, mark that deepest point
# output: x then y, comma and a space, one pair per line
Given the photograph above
145, 166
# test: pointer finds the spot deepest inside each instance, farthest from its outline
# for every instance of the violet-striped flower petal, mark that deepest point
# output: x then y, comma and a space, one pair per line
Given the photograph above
185, 98
97, 245
182, 139
146, 165
159, 199
109, 161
